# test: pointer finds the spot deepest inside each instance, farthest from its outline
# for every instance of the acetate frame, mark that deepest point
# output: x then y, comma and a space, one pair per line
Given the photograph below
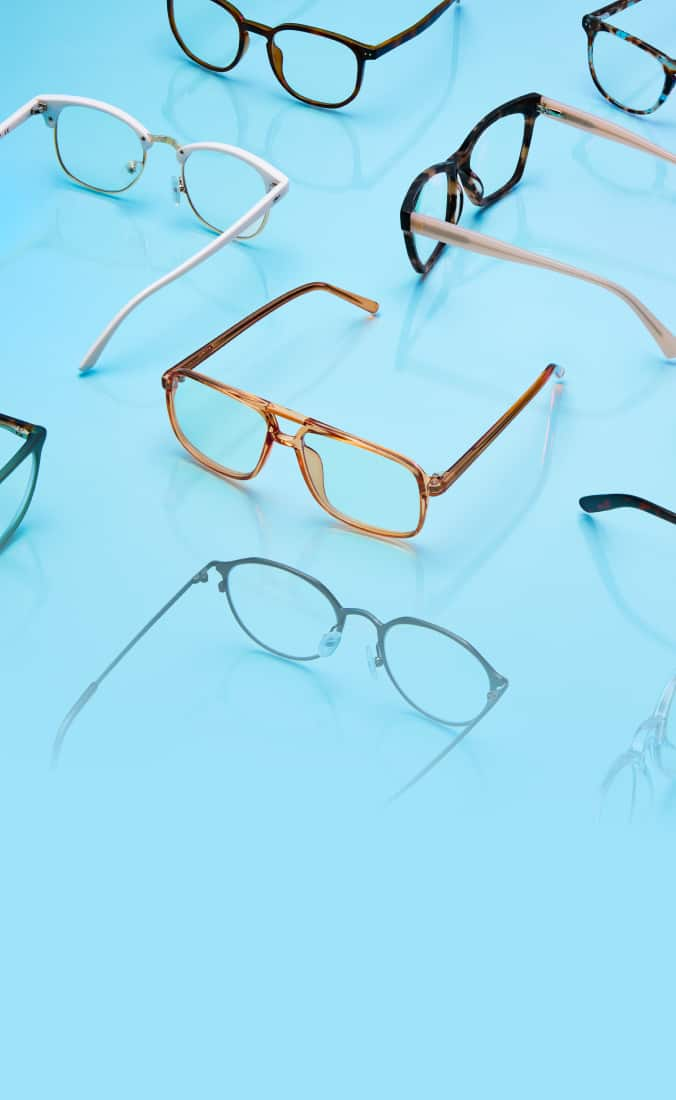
429, 485
497, 684
646, 751
361, 50
30, 451
276, 185
595, 23
608, 502
462, 180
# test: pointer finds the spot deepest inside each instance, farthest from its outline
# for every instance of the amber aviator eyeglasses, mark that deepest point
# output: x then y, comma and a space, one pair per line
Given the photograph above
371, 488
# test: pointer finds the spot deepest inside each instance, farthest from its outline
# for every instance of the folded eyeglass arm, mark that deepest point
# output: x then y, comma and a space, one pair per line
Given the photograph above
413, 31
581, 120
613, 9
439, 483
196, 357
490, 246
199, 578
607, 502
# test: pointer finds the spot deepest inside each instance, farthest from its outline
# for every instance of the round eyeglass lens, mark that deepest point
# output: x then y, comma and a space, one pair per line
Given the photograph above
436, 674
218, 428
316, 68
627, 74
16, 488
495, 157
433, 202
281, 611
361, 486
98, 149
206, 31
221, 188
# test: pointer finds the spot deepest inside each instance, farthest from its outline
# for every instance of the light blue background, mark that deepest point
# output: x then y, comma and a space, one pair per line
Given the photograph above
209, 899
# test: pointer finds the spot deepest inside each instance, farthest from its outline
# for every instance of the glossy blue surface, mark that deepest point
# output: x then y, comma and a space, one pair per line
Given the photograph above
207, 851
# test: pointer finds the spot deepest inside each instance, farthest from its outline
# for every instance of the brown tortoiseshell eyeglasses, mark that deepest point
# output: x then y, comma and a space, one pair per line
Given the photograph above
489, 164
316, 66
374, 489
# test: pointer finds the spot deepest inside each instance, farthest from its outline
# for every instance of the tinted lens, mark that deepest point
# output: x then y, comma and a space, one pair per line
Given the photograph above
432, 201
16, 488
221, 188
436, 674
363, 487
630, 76
317, 68
219, 428
495, 156
207, 31
280, 611
98, 149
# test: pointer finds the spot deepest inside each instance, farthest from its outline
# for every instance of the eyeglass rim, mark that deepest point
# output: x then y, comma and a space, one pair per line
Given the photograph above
593, 25
271, 413
497, 683
34, 436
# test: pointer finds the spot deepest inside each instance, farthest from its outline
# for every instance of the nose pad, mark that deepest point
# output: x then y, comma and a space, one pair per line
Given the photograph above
246, 42
315, 468
374, 660
277, 59
472, 185
133, 166
330, 642
177, 189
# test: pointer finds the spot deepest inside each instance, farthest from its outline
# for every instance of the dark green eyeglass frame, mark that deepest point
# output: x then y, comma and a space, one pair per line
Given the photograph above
30, 451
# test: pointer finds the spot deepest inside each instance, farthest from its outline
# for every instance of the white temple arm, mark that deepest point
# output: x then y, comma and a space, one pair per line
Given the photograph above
489, 246
21, 115
236, 229
593, 125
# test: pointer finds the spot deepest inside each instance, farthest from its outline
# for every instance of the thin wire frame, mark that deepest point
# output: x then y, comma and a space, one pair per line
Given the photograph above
496, 683
594, 24
428, 485
361, 51
30, 451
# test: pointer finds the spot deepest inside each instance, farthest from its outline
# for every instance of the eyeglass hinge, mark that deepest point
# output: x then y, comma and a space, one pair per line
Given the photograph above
549, 111
39, 108
435, 485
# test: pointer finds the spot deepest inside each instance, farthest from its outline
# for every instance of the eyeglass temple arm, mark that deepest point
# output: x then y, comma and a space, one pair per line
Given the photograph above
439, 483
490, 246
199, 578
607, 502
261, 209
411, 32
21, 115
581, 120
196, 357
612, 9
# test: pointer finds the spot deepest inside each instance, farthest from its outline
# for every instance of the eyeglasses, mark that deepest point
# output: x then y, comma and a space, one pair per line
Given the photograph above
105, 150
19, 466
315, 66
294, 616
607, 502
651, 749
489, 164
369, 487
628, 72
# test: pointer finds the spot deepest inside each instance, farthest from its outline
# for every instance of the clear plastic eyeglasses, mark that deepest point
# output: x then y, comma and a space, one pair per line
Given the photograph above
650, 751
628, 72
294, 616
104, 149
20, 450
